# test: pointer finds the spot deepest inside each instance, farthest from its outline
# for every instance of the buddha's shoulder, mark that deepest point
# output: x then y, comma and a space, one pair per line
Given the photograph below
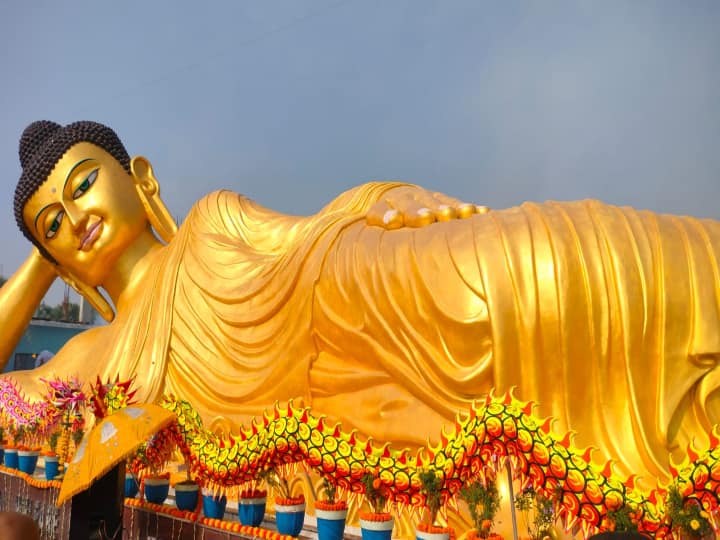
220, 203
226, 212
212, 210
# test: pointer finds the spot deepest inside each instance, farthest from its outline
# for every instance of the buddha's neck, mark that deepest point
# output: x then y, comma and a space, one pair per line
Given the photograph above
128, 275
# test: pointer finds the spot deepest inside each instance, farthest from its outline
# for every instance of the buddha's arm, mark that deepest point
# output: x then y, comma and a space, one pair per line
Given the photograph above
19, 298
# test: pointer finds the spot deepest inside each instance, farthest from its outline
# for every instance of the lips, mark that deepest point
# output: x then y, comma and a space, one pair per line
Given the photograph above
91, 234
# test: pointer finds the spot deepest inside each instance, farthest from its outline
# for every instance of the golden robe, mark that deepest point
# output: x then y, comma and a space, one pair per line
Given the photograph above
608, 317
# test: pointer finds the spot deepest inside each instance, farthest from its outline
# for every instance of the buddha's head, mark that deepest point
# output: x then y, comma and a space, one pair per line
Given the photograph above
81, 199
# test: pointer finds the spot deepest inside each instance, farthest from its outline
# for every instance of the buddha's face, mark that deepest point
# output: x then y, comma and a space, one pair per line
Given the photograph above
87, 212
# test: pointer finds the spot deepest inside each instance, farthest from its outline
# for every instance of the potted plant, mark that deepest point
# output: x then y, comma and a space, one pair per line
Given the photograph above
11, 455
377, 524
686, 516
537, 512
330, 513
132, 486
431, 485
289, 510
251, 506
28, 452
152, 457
252, 502
186, 493
483, 500
156, 484
11, 449
620, 524
156, 487
50, 457
214, 504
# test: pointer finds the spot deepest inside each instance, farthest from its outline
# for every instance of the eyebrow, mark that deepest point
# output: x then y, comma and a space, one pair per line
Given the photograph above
73, 170
67, 179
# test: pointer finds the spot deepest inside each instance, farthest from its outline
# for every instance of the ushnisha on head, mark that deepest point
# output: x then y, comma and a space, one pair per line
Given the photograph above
42, 145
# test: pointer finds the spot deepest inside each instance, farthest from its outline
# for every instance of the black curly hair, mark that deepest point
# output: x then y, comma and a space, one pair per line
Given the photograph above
42, 145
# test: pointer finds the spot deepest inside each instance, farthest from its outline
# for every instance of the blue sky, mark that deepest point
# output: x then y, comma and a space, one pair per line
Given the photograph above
293, 102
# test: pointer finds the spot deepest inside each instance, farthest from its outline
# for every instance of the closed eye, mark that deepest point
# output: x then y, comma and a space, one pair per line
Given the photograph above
85, 185
55, 225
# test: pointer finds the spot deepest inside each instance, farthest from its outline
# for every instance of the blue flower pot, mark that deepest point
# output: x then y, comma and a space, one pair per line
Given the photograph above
11, 458
131, 486
330, 524
52, 467
186, 496
2, 454
156, 490
214, 507
422, 535
251, 511
289, 519
27, 461
376, 530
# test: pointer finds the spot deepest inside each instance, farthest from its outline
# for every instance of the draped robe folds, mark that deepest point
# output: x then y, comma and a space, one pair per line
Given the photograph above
608, 318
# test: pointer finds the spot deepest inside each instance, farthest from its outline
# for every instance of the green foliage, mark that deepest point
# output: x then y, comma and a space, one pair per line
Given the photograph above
542, 510
624, 519
277, 481
18, 434
375, 492
431, 485
330, 489
484, 503
686, 514
57, 313
53, 440
77, 436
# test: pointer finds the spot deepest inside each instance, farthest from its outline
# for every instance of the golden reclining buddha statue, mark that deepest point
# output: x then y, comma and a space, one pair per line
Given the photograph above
389, 310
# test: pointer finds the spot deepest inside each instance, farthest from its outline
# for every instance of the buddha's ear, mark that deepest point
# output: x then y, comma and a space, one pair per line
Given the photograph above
148, 189
142, 173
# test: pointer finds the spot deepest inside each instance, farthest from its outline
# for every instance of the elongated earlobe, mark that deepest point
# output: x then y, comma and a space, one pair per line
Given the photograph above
91, 294
149, 190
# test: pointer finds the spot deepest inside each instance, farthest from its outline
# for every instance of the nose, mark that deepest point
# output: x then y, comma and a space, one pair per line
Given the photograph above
75, 215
